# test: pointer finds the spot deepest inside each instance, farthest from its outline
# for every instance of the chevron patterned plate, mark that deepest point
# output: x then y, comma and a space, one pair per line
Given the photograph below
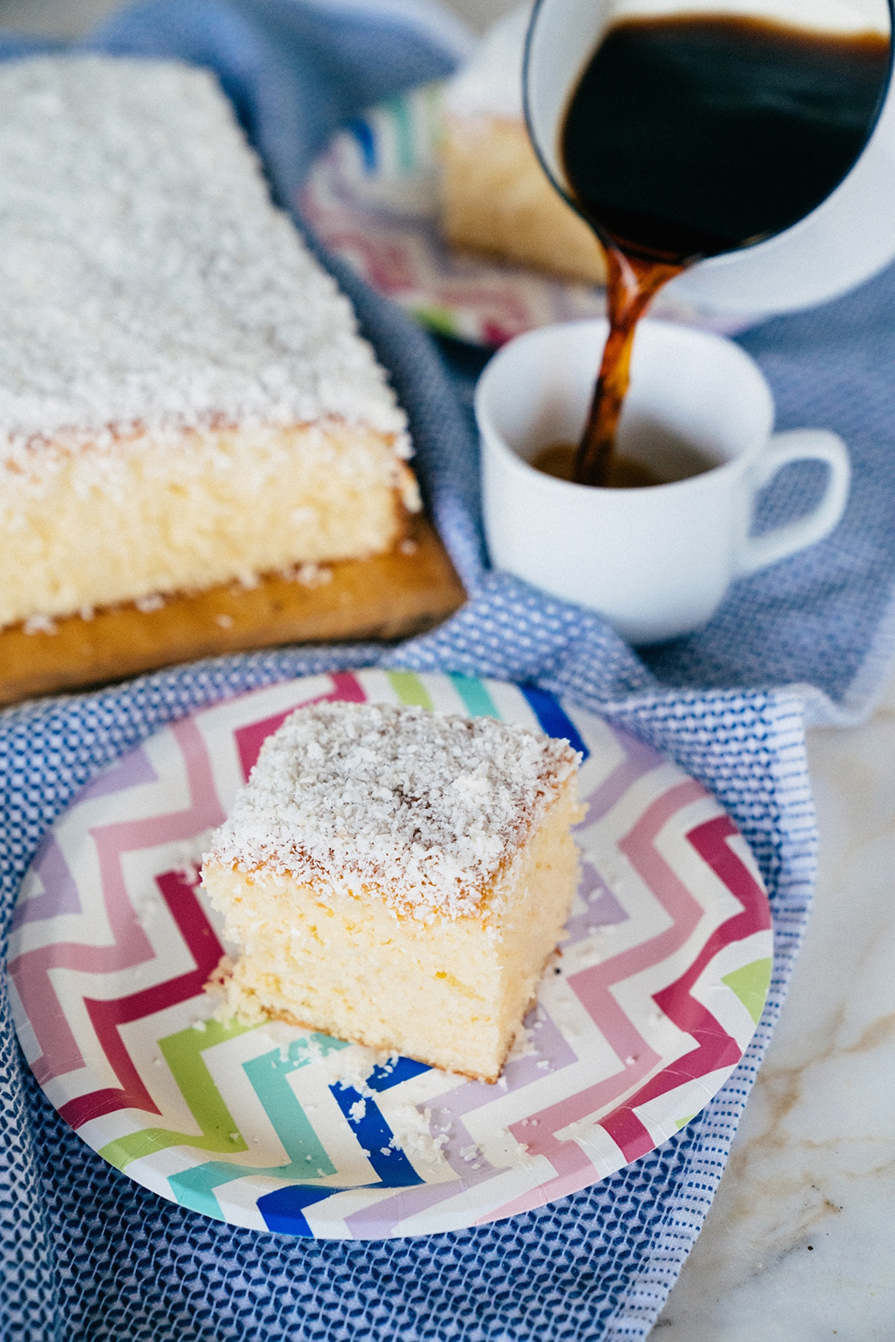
656, 995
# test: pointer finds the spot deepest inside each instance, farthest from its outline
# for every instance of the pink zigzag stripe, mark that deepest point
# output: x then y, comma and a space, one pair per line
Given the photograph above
574, 1172
60, 893
715, 1047
387, 264
106, 1016
130, 945
592, 986
384, 262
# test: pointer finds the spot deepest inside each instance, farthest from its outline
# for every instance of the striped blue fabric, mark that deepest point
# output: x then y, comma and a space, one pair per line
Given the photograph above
85, 1253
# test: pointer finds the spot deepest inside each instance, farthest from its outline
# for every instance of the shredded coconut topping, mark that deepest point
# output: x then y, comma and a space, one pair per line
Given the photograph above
424, 808
146, 280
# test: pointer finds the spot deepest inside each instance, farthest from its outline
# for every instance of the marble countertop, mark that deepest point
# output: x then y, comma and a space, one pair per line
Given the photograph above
798, 1245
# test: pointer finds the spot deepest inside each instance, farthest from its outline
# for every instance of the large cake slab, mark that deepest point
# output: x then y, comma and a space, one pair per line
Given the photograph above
184, 397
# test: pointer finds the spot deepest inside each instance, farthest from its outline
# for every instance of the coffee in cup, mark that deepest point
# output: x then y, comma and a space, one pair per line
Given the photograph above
656, 561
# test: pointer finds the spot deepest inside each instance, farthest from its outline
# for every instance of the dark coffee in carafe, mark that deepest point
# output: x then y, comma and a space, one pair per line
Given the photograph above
689, 136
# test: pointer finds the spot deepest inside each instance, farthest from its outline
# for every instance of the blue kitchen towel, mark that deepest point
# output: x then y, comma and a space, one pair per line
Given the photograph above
87, 1254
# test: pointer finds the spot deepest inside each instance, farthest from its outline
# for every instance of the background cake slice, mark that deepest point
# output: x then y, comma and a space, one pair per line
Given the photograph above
184, 398
495, 196
398, 878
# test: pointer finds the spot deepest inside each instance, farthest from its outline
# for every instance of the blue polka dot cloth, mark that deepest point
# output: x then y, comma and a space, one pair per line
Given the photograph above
88, 1254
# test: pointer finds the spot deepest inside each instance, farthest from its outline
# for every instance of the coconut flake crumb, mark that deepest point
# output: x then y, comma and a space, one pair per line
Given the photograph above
506, 1151
424, 808
523, 1045
217, 982
40, 624
307, 575
351, 1069
412, 1133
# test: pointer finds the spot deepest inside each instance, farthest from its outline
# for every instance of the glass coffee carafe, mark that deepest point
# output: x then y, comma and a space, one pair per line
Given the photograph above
723, 129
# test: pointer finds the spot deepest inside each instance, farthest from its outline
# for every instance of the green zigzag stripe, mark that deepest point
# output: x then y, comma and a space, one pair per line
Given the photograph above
751, 984
183, 1054
472, 691
410, 689
307, 1159
440, 319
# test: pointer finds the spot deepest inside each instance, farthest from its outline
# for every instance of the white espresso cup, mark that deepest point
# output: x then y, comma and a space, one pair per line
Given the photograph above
655, 561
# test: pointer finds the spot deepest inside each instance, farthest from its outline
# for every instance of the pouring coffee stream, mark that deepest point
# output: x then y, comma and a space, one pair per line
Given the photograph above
631, 286
691, 135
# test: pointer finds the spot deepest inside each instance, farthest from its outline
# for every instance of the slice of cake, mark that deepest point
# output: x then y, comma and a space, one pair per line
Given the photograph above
184, 398
495, 196
398, 878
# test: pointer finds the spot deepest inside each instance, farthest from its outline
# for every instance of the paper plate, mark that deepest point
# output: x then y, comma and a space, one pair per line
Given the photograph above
372, 199
639, 1022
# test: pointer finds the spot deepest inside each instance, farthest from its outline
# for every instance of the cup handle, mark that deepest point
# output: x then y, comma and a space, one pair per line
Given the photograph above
799, 445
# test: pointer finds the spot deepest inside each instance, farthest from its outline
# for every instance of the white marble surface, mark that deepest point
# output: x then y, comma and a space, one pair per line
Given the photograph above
799, 1245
